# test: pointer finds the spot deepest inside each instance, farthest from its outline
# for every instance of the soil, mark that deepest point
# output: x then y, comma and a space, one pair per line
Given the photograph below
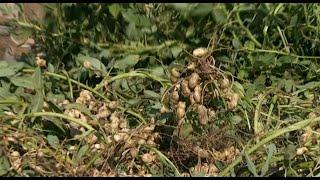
9, 49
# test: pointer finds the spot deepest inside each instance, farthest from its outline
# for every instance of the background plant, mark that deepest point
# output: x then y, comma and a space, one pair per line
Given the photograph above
123, 54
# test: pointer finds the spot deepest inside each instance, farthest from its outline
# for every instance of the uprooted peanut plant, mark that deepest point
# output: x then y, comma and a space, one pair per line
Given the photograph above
163, 90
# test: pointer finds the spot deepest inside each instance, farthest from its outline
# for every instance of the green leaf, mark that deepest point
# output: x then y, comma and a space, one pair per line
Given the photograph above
293, 20
236, 43
266, 59
251, 166
186, 130
249, 45
157, 71
23, 81
7, 69
281, 83
190, 31
243, 74
37, 102
57, 122
53, 141
236, 119
96, 63
151, 94
220, 14
37, 79
115, 10
132, 32
4, 165
289, 85
127, 62
309, 85
306, 165
201, 10
179, 6
5, 93
50, 67
286, 60
3, 64
54, 107
130, 16
238, 88
176, 50
105, 53
144, 22
289, 154
271, 151
82, 151
134, 101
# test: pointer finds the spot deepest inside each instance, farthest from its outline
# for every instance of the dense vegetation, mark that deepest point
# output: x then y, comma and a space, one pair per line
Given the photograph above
164, 90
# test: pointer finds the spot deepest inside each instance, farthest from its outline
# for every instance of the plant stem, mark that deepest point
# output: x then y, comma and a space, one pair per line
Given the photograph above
268, 51
269, 137
69, 118
250, 35
90, 89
